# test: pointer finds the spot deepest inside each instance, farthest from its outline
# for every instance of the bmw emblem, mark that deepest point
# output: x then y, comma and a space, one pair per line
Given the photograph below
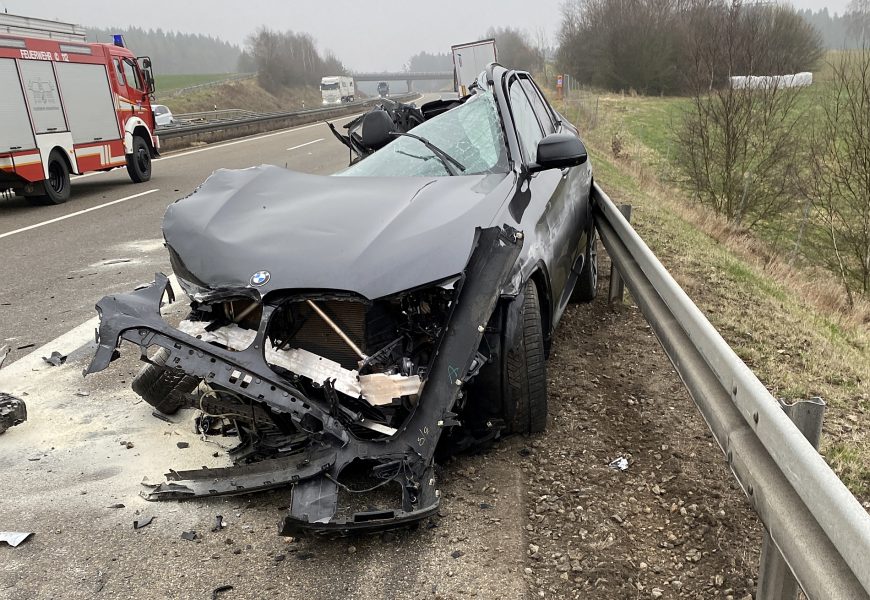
260, 278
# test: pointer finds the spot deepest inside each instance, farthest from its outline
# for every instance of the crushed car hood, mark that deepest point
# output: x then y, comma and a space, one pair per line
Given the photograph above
374, 236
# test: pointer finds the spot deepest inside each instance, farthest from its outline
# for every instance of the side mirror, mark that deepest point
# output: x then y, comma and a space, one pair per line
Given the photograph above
558, 151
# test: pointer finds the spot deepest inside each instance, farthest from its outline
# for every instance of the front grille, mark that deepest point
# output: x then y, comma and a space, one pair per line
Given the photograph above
316, 336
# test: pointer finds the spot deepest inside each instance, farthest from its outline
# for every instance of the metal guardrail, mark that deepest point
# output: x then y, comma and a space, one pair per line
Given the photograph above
313, 113
820, 529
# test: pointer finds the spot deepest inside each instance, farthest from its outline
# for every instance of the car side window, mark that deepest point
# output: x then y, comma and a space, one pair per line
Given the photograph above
538, 103
526, 123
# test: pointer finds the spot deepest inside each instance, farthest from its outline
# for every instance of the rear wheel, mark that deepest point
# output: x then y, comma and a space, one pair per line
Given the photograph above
164, 388
527, 369
586, 287
56, 187
139, 162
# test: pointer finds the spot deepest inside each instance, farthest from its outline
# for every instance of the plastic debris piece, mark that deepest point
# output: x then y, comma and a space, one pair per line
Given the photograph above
13, 411
56, 359
182, 445
161, 416
218, 523
188, 535
619, 464
119, 505
143, 522
14, 538
4, 352
220, 590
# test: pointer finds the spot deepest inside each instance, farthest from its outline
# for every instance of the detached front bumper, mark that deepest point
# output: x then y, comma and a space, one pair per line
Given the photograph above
313, 474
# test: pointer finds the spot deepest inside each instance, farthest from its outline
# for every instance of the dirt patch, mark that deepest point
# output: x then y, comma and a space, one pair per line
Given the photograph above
674, 524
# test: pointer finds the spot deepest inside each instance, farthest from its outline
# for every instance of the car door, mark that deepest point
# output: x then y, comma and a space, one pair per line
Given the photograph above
574, 200
556, 210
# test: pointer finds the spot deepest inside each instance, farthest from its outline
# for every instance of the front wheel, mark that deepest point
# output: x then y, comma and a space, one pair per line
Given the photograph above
527, 369
163, 387
139, 162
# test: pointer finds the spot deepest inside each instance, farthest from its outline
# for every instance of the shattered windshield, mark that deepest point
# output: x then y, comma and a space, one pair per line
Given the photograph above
470, 133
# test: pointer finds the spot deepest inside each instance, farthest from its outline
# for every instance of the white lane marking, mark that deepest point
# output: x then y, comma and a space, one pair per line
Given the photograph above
305, 144
75, 214
14, 377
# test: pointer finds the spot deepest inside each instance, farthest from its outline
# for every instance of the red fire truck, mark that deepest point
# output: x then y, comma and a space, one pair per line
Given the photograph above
67, 106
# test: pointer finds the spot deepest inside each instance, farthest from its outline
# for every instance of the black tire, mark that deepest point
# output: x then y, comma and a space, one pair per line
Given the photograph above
527, 369
164, 388
139, 162
57, 186
586, 287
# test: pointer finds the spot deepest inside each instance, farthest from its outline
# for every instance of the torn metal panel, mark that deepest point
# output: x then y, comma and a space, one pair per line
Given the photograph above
376, 388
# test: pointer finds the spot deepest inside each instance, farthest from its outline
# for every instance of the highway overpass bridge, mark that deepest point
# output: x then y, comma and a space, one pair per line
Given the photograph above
407, 76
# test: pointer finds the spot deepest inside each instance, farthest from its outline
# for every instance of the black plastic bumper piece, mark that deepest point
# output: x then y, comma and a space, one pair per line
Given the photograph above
314, 477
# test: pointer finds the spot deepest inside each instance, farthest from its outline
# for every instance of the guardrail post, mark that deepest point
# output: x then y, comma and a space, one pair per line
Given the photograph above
617, 285
775, 579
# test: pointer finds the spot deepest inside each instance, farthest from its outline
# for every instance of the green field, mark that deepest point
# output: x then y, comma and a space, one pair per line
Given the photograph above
167, 83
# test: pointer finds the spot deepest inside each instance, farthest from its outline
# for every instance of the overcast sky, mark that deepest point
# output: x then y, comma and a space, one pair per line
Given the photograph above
365, 35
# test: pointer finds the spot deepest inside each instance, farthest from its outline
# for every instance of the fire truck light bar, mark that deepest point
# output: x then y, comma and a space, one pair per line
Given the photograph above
11, 43
75, 49
119, 40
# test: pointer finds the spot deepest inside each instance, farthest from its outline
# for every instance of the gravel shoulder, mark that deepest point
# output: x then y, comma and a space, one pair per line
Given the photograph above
674, 524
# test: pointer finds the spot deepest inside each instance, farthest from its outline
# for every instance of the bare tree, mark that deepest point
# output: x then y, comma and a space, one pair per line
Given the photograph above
837, 181
289, 59
737, 145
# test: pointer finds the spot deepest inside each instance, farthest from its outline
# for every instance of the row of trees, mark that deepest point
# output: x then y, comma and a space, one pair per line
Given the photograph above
178, 53
650, 45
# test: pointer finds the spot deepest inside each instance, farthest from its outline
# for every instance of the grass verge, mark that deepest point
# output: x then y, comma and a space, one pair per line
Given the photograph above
787, 324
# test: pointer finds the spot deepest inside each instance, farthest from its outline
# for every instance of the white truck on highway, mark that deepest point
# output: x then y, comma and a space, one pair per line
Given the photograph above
337, 89
468, 62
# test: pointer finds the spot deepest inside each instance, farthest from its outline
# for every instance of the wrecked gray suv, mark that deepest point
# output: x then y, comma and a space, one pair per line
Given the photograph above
353, 328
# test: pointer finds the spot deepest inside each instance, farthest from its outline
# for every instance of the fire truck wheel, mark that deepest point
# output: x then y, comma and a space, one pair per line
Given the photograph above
139, 162
56, 187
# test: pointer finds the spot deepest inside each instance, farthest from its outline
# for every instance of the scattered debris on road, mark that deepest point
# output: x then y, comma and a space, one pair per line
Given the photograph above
619, 464
220, 590
4, 352
14, 538
143, 522
161, 416
56, 359
190, 536
218, 523
13, 411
